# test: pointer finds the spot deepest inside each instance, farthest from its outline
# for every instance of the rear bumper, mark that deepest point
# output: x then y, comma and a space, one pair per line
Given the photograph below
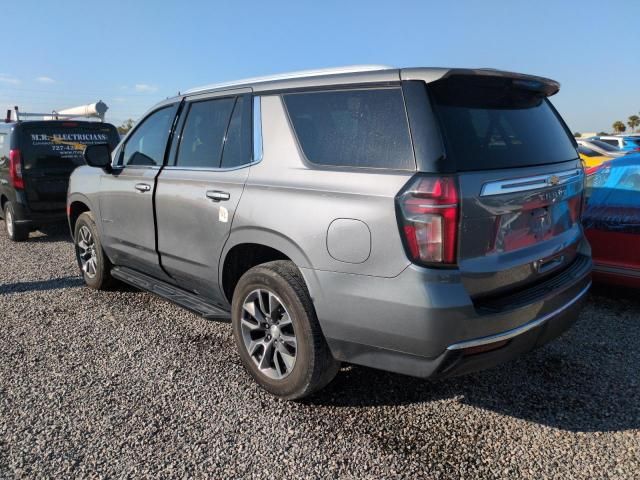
27, 216
487, 352
416, 325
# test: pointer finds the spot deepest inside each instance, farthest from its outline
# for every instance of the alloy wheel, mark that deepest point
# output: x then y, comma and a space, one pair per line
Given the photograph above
87, 252
268, 334
10, 225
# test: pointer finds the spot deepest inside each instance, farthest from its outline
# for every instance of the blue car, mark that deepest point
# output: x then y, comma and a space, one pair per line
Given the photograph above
626, 144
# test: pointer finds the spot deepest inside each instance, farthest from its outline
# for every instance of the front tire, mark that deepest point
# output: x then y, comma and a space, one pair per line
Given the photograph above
277, 332
15, 231
94, 264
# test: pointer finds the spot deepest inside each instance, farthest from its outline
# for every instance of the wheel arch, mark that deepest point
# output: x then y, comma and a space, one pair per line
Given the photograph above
247, 248
76, 206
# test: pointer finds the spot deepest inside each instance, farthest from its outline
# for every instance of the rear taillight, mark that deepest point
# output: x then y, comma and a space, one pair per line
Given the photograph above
15, 169
428, 215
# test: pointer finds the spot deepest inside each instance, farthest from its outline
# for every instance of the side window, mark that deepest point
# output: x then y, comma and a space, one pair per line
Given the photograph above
147, 144
610, 142
203, 134
238, 142
353, 128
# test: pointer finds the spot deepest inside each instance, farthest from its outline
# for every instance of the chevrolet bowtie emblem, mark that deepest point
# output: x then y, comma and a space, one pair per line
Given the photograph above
553, 180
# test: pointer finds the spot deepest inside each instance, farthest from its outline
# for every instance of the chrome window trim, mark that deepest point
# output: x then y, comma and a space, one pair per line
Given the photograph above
257, 129
206, 169
535, 182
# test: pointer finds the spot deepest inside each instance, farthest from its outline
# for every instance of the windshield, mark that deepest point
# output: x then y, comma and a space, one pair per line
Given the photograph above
487, 123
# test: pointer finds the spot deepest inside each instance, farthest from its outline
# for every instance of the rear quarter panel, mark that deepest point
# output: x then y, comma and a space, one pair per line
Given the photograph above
289, 206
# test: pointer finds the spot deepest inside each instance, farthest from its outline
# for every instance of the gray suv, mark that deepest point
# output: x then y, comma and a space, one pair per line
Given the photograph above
424, 221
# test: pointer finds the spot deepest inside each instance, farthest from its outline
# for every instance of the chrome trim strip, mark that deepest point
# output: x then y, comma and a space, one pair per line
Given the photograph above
530, 183
518, 330
622, 271
257, 129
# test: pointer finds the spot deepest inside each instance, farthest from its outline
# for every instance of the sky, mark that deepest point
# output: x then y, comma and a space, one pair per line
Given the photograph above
132, 54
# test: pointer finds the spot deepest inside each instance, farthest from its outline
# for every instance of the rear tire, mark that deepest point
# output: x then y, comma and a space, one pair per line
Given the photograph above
94, 264
15, 231
272, 314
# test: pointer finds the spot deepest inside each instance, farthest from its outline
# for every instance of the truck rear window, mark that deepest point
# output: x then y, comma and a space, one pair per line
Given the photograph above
353, 128
60, 146
488, 123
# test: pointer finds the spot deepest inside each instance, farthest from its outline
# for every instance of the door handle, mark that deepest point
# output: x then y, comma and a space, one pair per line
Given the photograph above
143, 187
217, 195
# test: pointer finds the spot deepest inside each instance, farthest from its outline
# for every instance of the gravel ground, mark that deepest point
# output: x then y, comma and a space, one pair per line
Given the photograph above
96, 384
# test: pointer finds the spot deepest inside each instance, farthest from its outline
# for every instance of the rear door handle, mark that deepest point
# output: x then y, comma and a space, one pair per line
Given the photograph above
143, 187
217, 195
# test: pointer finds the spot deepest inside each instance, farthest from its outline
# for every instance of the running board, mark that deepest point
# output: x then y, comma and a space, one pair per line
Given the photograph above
170, 292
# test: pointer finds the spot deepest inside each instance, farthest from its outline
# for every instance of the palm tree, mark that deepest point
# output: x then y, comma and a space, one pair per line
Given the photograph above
634, 121
618, 126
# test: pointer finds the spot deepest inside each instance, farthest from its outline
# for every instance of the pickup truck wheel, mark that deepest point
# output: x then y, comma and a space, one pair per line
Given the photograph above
15, 232
95, 266
277, 332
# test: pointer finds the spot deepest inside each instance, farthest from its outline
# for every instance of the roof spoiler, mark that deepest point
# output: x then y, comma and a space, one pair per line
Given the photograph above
528, 82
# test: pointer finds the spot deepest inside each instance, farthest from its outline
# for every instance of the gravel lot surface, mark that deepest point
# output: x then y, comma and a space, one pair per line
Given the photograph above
123, 383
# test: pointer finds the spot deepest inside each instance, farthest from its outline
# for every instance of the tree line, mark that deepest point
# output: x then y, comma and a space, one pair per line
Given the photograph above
633, 123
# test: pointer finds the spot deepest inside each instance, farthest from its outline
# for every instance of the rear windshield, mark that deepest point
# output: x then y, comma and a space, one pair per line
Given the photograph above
603, 145
62, 145
363, 128
587, 151
488, 123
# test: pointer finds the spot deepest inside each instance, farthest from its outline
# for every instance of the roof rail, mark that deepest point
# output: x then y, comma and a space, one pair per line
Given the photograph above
291, 75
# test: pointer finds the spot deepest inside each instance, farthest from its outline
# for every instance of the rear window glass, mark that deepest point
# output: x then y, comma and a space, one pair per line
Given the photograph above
353, 128
59, 146
603, 145
488, 123
587, 151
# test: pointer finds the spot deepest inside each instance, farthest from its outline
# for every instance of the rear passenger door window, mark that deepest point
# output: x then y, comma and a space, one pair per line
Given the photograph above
237, 146
216, 134
364, 128
147, 145
203, 134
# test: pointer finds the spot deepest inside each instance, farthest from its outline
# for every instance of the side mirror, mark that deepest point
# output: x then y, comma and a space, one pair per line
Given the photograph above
98, 156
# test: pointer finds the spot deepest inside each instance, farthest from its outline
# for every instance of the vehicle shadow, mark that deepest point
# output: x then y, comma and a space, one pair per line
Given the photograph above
51, 233
41, 285
581, 382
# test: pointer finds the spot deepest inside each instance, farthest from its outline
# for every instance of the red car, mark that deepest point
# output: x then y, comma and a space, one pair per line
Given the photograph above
612, 221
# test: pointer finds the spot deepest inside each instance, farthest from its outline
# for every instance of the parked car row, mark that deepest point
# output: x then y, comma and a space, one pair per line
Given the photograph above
409, 220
